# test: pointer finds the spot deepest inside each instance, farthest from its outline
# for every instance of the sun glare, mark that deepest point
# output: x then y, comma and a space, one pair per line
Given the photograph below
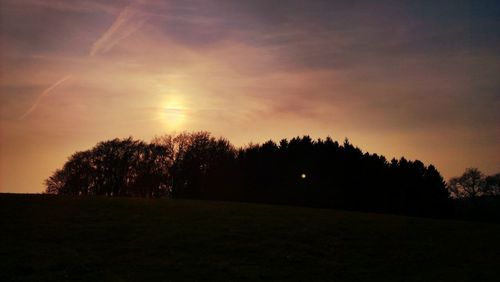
174, 113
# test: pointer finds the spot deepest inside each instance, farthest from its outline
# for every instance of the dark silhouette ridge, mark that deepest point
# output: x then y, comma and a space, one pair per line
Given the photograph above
300, 171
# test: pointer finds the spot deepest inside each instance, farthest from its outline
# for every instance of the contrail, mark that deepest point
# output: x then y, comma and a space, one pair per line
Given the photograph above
43, 94
128, 21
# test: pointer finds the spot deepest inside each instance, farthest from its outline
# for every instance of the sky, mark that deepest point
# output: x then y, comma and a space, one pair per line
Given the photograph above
418, 79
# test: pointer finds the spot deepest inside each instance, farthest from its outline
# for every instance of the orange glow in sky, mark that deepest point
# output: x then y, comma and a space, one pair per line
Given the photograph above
396, 79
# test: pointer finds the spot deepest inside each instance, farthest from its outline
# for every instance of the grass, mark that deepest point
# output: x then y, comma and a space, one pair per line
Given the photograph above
48, 238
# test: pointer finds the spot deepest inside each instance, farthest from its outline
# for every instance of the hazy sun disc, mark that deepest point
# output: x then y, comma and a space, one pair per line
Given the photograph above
174, 113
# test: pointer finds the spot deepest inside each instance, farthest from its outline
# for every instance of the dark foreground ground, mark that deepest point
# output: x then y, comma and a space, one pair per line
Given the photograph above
45, 238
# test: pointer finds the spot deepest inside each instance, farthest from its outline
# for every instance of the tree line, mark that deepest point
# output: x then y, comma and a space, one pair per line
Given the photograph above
301, 171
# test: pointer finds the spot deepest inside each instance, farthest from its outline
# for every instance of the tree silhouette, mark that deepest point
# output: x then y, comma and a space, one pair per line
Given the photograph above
115, 168
470, 184
473, 183
300, 171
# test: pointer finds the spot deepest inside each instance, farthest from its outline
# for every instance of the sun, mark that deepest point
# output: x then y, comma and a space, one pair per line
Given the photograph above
173, 113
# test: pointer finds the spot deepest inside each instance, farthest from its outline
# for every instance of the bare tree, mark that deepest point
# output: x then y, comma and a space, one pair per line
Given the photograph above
470, 184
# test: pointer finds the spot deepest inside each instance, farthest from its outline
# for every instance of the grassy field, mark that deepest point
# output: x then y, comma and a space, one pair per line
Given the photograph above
48, 238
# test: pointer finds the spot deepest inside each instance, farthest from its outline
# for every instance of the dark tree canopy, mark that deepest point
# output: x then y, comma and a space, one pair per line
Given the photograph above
492, 183
300, 171
473, 183
117, 167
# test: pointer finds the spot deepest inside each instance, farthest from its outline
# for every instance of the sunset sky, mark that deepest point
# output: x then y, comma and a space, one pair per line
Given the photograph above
419, 79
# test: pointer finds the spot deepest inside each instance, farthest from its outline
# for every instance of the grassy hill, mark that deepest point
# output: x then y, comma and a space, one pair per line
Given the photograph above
45, 238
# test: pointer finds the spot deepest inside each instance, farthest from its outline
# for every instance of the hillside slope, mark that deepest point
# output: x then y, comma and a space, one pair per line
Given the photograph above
50, 238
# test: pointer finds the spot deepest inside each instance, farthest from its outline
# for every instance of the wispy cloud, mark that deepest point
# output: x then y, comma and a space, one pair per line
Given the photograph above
128, 21
68, 6
43, 94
